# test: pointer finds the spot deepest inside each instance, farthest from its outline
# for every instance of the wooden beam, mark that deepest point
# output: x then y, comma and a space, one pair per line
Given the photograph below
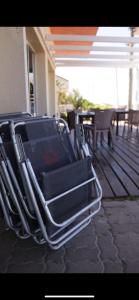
93, 38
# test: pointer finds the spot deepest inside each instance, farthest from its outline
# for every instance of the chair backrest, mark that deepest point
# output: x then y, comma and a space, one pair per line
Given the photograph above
46, 148
103, 119
71, 119
14, 115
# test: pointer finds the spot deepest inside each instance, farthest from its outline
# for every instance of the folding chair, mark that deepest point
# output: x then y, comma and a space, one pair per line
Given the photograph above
15, 115
16, 211
58, 185
12, 201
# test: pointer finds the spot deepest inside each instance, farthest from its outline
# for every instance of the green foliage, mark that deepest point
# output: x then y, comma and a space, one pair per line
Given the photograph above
77, 100
64, 116
62, 97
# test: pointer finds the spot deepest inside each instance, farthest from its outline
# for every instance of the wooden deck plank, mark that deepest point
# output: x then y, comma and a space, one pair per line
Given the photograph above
118, 170
115, 184
129, 161
125, 149
107, 191
122, 161
128, 185
128, 145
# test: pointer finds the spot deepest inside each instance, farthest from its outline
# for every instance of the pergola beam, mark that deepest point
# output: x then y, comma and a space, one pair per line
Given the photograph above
95, 56
94, 48
92, 38
119, 64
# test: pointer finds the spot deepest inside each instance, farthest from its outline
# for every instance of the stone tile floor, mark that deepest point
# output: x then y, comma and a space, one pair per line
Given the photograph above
110, 244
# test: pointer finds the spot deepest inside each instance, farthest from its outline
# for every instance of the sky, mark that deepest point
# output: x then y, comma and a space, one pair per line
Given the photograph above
97, 84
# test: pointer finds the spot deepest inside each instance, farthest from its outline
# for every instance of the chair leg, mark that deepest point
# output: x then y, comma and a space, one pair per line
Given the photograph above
101, 137
123, 130
129, 132
94, 139
97, 135
137, 131
111, 138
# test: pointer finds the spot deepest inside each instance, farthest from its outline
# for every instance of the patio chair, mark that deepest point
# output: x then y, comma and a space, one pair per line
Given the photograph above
133, 120
12, 201
102, 124
17, 212
64, 192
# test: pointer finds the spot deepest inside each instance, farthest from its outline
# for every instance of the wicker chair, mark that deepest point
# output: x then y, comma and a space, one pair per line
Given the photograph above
102, 123
133, 120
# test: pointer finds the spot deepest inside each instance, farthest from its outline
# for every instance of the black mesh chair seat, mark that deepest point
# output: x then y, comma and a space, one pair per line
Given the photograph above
46, 154
73, 175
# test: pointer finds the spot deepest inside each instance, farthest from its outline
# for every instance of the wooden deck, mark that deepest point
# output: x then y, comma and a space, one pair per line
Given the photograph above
118, 169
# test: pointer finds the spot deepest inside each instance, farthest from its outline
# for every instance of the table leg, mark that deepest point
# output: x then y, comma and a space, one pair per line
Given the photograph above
117, 121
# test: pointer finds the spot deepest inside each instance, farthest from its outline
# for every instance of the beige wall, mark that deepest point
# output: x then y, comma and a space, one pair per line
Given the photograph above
14, 94
12, 70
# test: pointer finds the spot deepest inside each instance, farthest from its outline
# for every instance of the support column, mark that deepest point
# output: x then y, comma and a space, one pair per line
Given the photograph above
130, 93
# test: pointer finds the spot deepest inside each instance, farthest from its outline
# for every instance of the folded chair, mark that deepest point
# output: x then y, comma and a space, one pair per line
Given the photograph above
8, 211
64, 192
16, 211
15, 115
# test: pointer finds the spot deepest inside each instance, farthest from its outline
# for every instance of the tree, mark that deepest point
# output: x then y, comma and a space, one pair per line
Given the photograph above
76, 99
62, 97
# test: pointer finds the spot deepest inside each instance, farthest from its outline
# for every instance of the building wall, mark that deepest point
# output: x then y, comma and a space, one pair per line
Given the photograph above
13, 90
14, 94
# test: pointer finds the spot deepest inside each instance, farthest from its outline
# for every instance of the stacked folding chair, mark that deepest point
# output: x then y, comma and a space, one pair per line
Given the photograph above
47, 190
